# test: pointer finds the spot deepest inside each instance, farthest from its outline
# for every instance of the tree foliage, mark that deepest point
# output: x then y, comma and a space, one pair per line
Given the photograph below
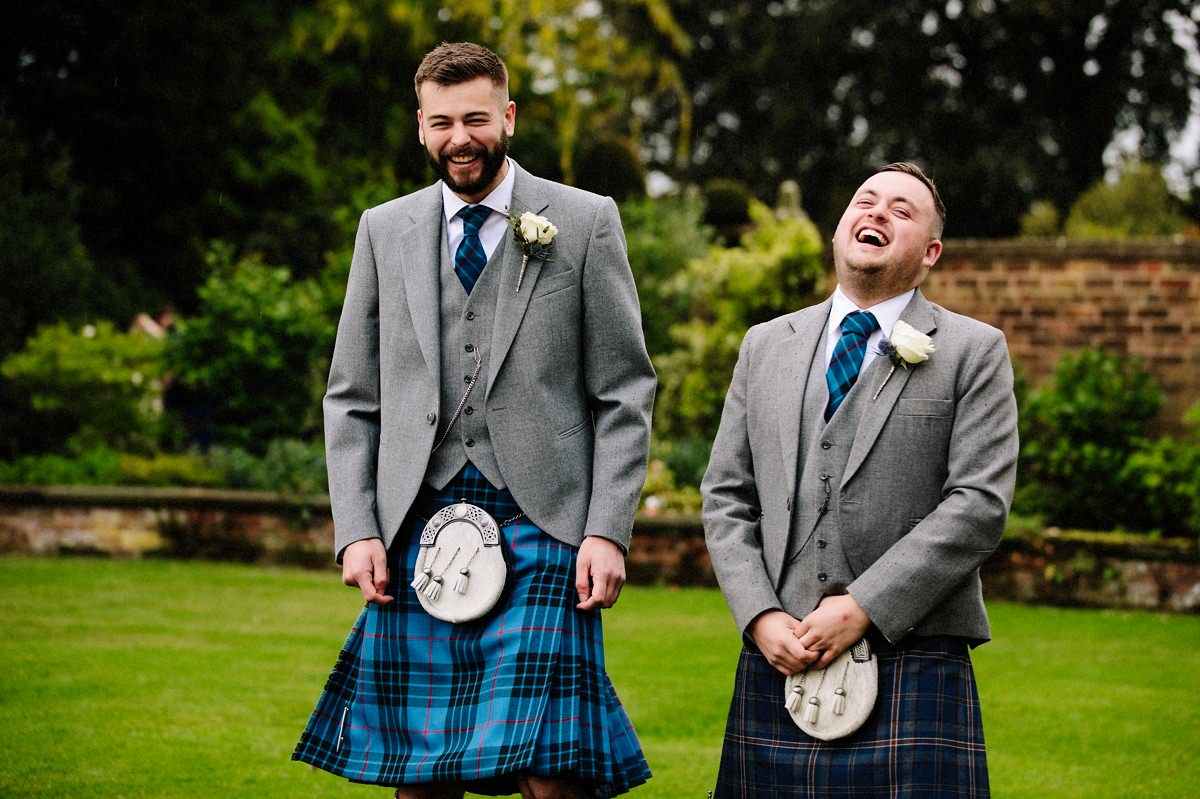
106, 383
1138, 203
777, 268
1005, 101
254, 357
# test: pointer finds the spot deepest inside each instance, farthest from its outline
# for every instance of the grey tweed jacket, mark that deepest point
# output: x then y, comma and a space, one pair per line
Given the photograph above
925, 494
570, 385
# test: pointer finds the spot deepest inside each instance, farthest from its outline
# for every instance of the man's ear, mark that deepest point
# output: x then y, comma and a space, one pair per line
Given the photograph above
933, 251
420, 128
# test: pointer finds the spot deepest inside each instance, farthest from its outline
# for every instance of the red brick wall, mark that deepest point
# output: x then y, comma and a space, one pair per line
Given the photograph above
1049, 297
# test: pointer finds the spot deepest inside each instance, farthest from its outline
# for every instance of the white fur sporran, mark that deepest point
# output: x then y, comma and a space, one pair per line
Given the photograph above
460, 573
834, 701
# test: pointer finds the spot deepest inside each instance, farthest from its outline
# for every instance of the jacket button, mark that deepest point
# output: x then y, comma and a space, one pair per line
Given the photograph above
466, 378
431, 417
470, 315
789, 503
822, 543
826, 445
470, 442
822, 576
469, 410
469, 348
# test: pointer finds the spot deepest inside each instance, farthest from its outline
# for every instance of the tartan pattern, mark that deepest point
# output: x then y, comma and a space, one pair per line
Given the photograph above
924, 739
847, 358
471, 258
523, 690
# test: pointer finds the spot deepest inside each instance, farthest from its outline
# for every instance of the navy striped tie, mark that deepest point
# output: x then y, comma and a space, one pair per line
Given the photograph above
471, 258
847, 358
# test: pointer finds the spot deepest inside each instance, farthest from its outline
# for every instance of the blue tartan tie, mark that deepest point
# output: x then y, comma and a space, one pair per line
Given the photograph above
471, 258
847, 358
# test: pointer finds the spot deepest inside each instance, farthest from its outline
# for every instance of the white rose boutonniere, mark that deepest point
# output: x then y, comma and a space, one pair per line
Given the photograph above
534, 235
907, 346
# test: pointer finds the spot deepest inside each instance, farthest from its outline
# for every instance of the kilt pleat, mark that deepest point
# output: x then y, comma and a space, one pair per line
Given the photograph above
924, 740
412, 699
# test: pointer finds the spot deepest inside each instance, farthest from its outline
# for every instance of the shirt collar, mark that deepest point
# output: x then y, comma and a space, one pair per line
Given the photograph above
499, 200
887, 313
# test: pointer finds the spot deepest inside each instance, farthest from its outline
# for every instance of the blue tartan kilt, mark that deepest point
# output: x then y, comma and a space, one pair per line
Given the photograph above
924, 740
524, 690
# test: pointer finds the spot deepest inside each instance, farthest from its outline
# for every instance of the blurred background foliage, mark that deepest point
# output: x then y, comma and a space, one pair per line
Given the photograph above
180, 185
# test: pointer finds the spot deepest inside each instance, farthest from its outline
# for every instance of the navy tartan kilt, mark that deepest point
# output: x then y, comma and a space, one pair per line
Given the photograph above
522, 690
924, 739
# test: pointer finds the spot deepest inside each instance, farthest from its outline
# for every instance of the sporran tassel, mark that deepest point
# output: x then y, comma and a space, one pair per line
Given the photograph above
422, 578
839, 701
434, 589
460, 582
812, 711
795, 698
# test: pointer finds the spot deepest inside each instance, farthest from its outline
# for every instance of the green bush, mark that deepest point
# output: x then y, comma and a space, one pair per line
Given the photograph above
95, 466
1165, 476
1077, 433
777, 268
105, 382
288, 466
663, 236
609, 165
256, 354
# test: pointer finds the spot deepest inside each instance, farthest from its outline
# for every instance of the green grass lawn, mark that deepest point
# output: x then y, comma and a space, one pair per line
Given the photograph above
169, 679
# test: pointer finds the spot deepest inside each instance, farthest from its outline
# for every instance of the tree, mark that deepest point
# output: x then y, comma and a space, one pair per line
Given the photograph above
140, 96
1004, 101
253, 360
1138, 203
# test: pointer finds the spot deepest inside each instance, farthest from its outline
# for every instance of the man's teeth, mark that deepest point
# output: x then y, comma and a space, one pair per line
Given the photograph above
871, 237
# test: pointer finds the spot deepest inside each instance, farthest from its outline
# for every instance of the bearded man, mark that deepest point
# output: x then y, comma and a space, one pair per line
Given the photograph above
489, 364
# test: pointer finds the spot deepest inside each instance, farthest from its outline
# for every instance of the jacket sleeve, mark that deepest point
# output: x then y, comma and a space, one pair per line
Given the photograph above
352, 402
732, 508
947, 545
618, 378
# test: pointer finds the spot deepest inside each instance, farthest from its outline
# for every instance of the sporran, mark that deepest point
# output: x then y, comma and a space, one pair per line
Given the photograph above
460, 544
835, 701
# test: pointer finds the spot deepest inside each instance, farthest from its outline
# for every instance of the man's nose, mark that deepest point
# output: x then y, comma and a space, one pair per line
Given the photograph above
459, 135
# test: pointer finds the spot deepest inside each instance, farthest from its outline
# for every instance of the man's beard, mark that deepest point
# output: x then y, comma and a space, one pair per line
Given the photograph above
493, 162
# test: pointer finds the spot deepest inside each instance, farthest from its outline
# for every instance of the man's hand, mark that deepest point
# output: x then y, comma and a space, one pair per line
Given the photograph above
364, 564
835, 626
599, 573
775, 634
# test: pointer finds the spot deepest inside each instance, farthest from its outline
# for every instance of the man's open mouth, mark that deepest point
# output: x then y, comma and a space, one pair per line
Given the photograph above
872, 237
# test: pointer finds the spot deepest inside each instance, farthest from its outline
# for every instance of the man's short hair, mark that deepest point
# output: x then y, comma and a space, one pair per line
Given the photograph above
909, 168
450, 64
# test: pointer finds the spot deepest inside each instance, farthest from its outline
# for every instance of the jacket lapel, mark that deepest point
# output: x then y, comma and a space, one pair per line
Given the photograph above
511, 304
878, 408
425, 239
796, 353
